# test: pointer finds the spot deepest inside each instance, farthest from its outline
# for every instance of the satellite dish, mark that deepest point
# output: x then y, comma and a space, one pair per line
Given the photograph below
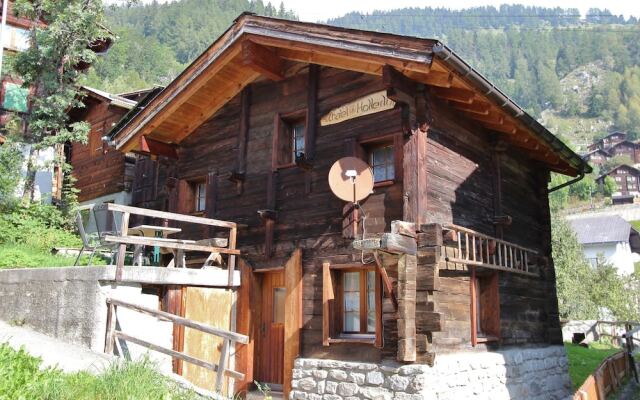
351, 179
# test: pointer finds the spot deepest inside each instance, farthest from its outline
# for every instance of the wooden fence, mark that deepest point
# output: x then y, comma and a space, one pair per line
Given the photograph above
477, 249
607, 378
228, 337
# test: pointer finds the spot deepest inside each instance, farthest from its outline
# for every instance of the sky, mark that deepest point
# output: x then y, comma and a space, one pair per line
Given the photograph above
321, 10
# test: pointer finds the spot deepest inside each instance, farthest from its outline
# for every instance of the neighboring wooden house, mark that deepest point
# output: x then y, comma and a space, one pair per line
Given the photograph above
596, 157
627, 180
103, 174
248, 132
626, 148
608, 141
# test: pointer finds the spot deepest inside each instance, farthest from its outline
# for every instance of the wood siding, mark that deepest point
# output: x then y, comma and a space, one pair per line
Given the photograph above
99, 172
460, 173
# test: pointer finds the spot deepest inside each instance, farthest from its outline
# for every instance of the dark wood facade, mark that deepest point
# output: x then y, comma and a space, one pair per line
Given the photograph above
99, 169
455, 162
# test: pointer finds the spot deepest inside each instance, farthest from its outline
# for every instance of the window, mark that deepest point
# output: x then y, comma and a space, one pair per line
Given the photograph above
279, 295
16, 38
618, 179
382, 163
289, 140
631, 178
200, 197
485, 307
297, 137
358, 302
352, 304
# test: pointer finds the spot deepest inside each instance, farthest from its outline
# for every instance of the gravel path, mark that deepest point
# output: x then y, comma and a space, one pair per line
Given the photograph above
67, 357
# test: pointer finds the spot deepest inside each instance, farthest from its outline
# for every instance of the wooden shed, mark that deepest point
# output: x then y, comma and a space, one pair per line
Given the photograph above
460, 254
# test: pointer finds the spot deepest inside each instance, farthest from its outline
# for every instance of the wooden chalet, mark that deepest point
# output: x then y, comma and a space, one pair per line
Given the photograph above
459, 256
103, 174
627, 180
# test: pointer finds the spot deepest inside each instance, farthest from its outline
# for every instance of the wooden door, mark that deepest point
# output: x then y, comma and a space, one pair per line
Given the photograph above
270, 347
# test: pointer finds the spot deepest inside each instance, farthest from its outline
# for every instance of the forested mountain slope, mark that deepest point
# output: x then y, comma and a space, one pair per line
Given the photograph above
531, 53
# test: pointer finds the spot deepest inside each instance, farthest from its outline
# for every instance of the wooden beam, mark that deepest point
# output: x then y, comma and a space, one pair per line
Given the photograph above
312, 112
433, 78
292, 316
477, 107
455, 94
262, 60
393, 79
157, 148
414, 178
243, 134
494, 118
505, 127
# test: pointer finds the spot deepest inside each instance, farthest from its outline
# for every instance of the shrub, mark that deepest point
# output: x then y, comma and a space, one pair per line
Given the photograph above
37, 226
21, 377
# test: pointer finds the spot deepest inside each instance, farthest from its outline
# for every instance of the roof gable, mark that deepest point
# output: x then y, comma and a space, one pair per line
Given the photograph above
255, 47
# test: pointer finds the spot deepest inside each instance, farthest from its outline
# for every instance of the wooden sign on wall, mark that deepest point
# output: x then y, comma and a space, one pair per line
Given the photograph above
369, 104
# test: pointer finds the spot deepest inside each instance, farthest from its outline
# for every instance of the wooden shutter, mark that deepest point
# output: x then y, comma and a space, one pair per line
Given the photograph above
490, 304
327, 302
186, 199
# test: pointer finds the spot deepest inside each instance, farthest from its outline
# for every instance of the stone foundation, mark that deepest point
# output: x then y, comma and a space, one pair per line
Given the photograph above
531, 373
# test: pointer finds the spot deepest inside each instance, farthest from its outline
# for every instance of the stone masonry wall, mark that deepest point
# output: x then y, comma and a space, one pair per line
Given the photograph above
531, 373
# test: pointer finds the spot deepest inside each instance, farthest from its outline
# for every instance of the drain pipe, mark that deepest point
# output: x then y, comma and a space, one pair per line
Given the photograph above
571, 182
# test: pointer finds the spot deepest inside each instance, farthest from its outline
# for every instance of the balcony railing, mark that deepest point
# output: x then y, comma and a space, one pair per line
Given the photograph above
473, 248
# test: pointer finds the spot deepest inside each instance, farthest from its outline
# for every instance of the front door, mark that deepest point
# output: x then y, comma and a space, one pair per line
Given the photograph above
270, 346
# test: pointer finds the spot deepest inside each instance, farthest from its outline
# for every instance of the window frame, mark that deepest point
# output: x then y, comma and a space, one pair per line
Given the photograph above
283, 141
395, 141
333, 301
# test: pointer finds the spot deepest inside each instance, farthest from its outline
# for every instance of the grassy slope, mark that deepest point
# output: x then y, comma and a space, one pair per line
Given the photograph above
584, 361
21, 378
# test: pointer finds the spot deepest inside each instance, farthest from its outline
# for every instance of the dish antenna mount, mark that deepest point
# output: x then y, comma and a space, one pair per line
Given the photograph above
351, 179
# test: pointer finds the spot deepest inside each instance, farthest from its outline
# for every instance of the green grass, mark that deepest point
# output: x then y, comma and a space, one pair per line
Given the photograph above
635, 224
23, 256
584, 361
22, 378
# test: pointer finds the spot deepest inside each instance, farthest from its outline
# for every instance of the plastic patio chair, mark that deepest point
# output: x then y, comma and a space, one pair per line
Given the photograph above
107, 223
89, 239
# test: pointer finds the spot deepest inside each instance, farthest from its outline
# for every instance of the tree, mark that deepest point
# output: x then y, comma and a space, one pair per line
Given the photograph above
574, 275
10, 163
620, 159
583, 189
609, 186
48, 68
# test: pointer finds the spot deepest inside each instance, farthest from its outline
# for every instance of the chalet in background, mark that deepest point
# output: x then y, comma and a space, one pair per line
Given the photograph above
458, 275
103, 174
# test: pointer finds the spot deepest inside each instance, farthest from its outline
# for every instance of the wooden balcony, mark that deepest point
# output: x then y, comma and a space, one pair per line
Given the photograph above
463, 246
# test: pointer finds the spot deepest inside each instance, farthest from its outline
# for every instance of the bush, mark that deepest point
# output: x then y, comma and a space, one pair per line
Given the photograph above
38, 226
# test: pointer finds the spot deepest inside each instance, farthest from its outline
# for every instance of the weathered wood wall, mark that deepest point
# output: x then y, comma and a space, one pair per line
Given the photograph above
99, 172
461, 186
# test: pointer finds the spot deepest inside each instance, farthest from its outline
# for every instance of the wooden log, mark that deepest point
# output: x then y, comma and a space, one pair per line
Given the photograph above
111, 328
404, 228
262, 60
236, 337
430, 235
398, 244
222, 366
168, 243
122, 248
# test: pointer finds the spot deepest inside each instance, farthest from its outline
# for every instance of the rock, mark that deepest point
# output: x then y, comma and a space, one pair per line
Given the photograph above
398, 383
347, 389
320, 374
375, 393
321, 387
375, 378
297, 395
356, 378
331, 387
338, 375
307, 384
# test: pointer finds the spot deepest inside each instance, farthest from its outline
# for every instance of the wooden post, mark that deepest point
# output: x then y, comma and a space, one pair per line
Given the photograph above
222, 365
111, 328
122, 248
232, 258
415, 177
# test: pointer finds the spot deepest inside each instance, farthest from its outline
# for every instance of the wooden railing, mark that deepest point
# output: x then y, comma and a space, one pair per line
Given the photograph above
177, 246
228, 337
606, 379
477, 249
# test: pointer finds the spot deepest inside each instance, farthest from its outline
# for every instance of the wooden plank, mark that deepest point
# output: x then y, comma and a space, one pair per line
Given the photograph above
415, 178
169, 216
243, 133
111, 328
236, 337
122, 248
293, 316
327, 297
246, 324
176, 354
312, 112
231, 265
221, 366
169, 244
388, 287
262, 60
398, 244
157, 148
455, 94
